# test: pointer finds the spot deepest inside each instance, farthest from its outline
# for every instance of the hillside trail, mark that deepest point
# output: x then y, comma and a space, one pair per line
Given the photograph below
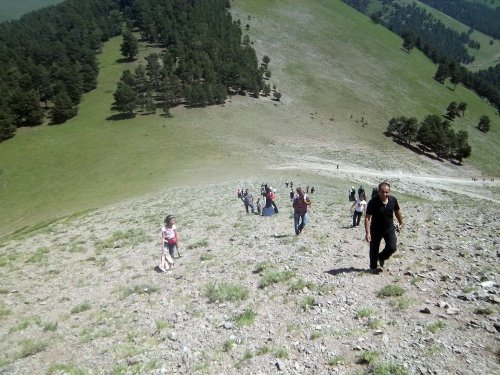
417, 182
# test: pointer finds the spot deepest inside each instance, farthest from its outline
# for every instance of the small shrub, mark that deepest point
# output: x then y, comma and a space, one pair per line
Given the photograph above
81, 308
49, 327
292, 328
225, 292
124, 292
246, 318
316, 335
201, 243
281, 353
30, 347
401, 303
263, 266
162, 324
273, 277
206, 256
300, 284
391, 290
436, 326
387, 368
65, 369
307, 303
375, 323
367, 357
248, 355
4, 291
263, 350
364, 313
228, 345
21, 326
336, 360
485, 310
39, 256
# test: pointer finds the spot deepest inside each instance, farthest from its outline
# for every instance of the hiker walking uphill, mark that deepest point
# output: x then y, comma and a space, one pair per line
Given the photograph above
248, 201
359, 208
270, 197
169, 241
352, 194
379, 224
300, 204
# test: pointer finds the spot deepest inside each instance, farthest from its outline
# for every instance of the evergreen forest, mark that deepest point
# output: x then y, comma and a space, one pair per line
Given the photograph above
48, 58
441, 44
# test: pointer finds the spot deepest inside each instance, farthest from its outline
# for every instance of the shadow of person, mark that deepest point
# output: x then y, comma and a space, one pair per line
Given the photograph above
338, 271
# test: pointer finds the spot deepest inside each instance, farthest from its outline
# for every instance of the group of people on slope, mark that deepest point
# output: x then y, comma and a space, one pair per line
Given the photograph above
379, 223
268, 195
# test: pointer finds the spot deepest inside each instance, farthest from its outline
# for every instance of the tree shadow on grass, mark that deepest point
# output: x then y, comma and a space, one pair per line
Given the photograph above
120, 116
339, 271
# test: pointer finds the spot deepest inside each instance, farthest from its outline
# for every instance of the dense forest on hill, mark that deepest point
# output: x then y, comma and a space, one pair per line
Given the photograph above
48, 58
441, 44
473, 14
203, 56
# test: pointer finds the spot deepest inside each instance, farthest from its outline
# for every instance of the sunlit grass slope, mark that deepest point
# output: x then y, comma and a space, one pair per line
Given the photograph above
90, 161
335, 59
329, 62
488, 55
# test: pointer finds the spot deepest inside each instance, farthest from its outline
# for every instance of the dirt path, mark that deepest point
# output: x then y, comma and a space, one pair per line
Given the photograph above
406, 180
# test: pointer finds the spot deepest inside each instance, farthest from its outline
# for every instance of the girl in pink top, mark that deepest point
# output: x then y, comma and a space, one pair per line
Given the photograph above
169, 241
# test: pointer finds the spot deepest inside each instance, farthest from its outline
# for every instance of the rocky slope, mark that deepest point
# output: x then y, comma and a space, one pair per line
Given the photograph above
247, 296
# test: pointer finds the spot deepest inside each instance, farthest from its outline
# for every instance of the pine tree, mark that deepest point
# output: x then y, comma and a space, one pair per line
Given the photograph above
63, 108
129, 46
7, 127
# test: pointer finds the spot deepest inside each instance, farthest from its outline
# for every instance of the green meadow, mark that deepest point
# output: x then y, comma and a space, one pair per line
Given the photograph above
332, 66
10, 9
488, 55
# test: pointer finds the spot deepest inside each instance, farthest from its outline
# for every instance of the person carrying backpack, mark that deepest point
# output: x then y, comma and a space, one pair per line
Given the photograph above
301, 202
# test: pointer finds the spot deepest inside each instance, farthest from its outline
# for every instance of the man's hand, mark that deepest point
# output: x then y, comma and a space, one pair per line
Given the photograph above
368, 237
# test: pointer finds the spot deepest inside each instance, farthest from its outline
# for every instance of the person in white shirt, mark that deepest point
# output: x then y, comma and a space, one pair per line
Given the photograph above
359, 208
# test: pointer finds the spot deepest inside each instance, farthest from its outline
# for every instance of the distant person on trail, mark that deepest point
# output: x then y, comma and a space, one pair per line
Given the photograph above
248, 201
359, 208
291, 184
352, 194
259, 206
292, 194
361, 191
312, 190
374, 192
169, 241
300, 204
379, 224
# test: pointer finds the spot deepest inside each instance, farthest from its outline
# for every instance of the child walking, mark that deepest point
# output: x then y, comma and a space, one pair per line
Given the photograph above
169, 241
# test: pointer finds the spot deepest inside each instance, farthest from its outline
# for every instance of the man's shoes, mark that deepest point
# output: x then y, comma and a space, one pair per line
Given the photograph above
381, 262
374, 271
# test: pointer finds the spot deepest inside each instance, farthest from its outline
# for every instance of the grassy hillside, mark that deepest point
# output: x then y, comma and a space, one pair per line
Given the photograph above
10, 10
329, 62
488, 55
